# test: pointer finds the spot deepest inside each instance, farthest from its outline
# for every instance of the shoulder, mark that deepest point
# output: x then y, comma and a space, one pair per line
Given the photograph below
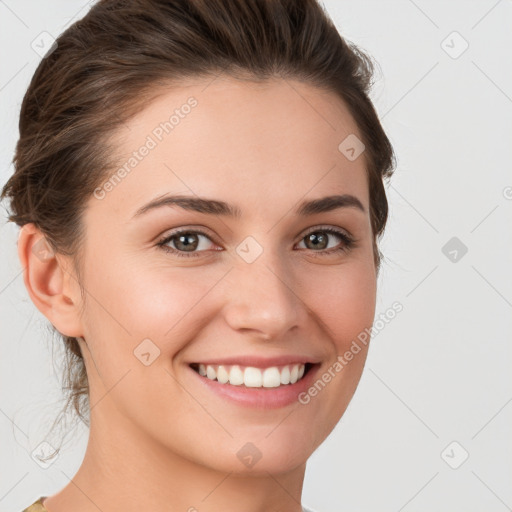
37, 506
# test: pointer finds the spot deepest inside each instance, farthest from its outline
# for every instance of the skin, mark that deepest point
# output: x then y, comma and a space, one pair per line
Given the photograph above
158, 440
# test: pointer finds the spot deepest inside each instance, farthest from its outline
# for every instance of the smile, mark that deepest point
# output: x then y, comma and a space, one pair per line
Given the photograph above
251, 377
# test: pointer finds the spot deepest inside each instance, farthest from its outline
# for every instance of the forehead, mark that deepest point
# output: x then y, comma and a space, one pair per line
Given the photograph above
276, 140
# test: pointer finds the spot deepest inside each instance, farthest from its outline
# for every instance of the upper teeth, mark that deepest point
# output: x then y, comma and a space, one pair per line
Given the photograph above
252, 377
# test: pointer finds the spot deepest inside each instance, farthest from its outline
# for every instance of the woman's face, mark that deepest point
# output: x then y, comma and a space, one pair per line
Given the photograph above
267, 288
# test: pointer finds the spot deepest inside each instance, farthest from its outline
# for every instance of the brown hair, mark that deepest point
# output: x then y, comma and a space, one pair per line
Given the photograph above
108, 65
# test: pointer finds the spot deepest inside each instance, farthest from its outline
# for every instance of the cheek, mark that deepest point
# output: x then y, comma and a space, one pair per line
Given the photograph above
344, 300
132, 302
137, 319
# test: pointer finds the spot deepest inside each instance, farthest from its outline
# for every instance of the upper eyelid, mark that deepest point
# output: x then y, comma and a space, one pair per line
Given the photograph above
201, 230
326, 226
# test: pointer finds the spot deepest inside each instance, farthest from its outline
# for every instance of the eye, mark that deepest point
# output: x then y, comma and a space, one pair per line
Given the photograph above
186, 242
319, 239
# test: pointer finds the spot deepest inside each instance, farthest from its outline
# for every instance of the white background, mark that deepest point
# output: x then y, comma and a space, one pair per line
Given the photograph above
440, 371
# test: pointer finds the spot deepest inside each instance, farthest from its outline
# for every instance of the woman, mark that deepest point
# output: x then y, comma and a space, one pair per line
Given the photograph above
200, 190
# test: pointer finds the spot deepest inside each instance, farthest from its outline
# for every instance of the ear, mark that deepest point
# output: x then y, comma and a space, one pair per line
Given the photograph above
50, 281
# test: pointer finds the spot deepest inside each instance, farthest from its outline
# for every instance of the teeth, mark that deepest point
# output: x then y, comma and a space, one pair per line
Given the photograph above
251, 377
211, 373
285, 375
271, 378
294, 374
222, 375
236, 376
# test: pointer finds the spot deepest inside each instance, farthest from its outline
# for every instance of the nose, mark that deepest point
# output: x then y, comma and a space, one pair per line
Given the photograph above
263, 299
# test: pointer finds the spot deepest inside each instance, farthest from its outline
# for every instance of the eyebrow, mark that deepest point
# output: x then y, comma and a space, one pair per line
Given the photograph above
216, 207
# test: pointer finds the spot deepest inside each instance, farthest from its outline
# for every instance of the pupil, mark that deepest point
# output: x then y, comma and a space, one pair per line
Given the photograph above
317, 240
183, 239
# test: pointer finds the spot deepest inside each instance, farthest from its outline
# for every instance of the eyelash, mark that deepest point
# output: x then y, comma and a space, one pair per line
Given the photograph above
347, 242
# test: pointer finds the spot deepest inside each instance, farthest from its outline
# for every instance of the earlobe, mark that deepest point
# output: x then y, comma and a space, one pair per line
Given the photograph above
52, 290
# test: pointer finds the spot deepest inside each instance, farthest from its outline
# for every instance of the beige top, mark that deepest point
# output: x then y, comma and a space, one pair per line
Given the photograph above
37, 506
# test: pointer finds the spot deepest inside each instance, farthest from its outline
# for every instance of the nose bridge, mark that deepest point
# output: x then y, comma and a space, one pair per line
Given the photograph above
261, 293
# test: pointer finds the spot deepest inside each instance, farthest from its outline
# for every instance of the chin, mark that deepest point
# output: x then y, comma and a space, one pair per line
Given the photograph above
279, 451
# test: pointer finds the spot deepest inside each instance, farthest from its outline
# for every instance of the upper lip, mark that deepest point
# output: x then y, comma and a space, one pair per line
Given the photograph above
258, 362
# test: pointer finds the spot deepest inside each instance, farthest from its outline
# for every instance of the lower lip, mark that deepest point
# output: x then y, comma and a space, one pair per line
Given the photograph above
261, 398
